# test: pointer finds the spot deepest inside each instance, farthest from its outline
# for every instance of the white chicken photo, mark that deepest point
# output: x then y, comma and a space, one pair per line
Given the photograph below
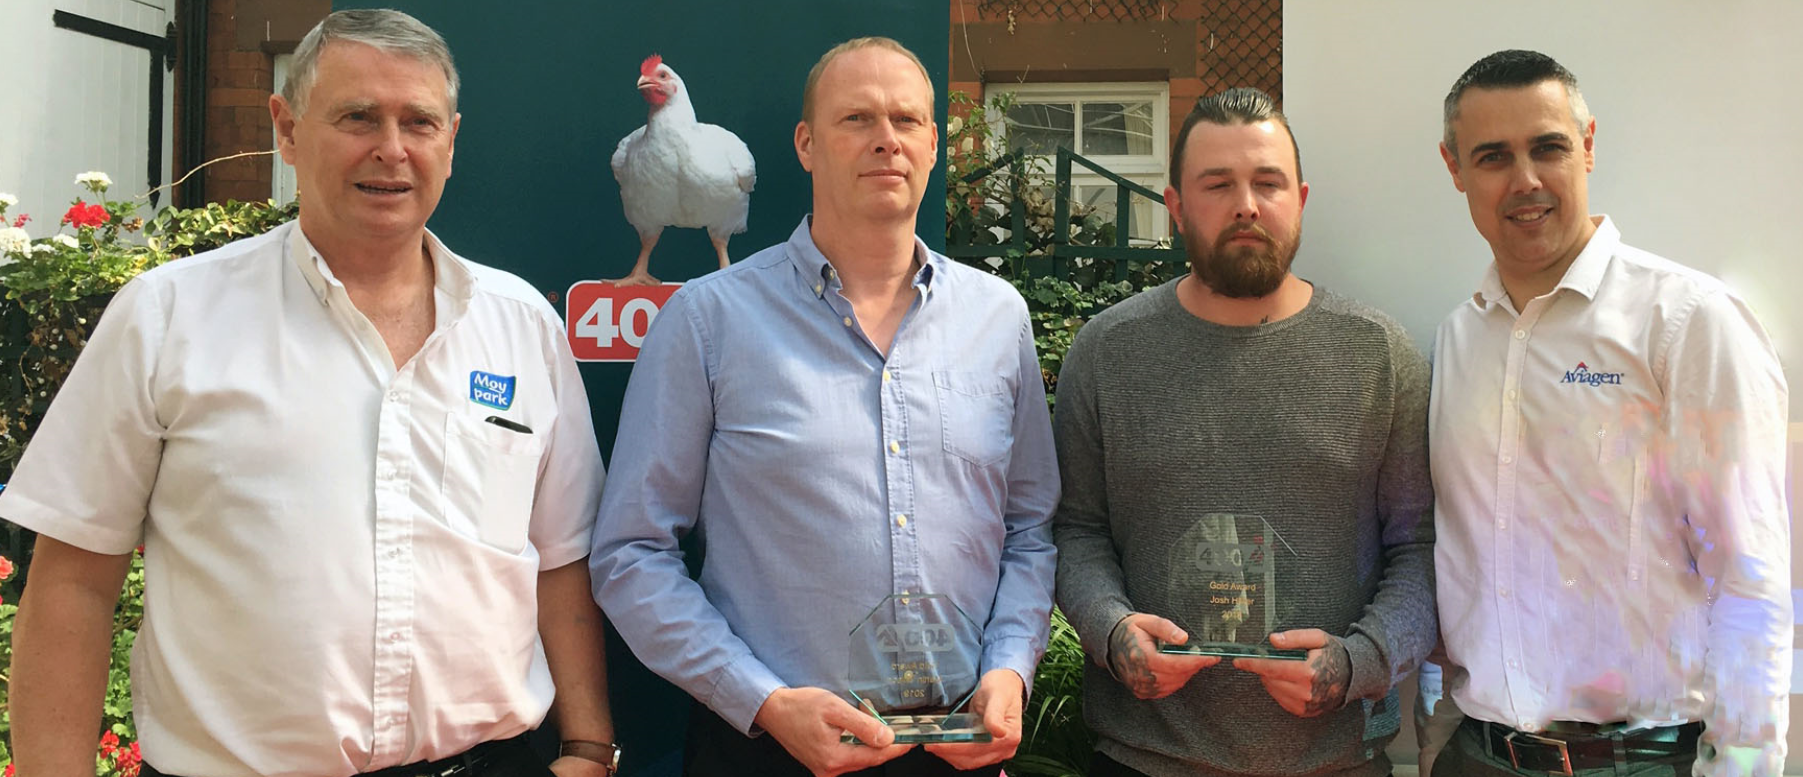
677, 172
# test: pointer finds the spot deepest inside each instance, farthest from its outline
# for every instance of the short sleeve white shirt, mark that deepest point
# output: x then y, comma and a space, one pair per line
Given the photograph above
1613, 542
341, 557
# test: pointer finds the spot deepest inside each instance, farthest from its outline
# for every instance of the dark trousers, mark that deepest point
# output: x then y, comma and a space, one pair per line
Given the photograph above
506, 758
716, 749
1467, 754
1103, 766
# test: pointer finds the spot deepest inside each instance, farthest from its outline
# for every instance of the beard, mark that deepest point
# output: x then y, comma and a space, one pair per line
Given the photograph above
1242, 271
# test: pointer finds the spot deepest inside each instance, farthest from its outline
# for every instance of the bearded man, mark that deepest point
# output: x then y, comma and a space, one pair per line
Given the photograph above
1242, 391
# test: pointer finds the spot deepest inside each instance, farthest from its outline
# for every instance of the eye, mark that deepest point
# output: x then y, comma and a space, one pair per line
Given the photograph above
1216, 186
1549, 149
1268, 185
1490, 157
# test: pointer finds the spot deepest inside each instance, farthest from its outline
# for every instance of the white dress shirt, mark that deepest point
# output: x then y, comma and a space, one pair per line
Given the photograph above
341, 558
1613, 541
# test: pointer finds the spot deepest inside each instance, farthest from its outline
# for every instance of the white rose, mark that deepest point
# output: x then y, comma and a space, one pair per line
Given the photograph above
955, 125
65, 241
93, 178
13, 240
7, 200
43, 248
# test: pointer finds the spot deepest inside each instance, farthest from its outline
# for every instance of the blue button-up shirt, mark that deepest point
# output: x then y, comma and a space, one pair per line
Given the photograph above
821, 477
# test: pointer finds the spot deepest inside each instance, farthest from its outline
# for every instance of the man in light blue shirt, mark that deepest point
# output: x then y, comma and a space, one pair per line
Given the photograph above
839, 418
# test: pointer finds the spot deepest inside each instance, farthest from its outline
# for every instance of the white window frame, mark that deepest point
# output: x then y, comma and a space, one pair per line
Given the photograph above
1149, 171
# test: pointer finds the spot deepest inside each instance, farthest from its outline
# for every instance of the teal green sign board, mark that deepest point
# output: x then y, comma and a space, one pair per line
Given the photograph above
549, 90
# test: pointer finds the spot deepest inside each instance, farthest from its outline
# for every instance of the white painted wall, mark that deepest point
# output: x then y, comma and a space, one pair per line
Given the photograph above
71, 102
1699, 108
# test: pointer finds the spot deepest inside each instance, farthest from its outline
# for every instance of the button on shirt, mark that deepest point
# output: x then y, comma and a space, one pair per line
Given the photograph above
341, 557
822, 477
1613, 540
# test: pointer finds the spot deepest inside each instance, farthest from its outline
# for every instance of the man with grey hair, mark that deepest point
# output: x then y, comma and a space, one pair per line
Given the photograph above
1608, 432
361, 469
1244, 460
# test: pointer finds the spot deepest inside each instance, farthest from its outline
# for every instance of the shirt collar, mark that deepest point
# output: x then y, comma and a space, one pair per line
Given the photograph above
821, 277
1583, 276
449, 273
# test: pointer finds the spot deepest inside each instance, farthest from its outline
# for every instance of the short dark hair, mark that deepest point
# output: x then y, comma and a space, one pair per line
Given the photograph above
1239, 105
1512, 69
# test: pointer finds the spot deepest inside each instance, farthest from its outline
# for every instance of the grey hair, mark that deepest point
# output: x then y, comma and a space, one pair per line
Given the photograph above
384, 29
1512, 69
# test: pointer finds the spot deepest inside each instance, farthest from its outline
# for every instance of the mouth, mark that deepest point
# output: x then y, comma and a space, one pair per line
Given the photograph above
384, 188
1529, 216
883, 174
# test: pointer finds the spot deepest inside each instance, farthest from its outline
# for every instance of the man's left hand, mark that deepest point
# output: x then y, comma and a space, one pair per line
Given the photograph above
1310, 687
998, 702
571, 766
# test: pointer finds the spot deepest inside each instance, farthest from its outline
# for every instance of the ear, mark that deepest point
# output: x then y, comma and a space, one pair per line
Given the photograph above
282, 116
451, 152
1175, 207
1590, 146
1301, 196
804, 145
1452, 166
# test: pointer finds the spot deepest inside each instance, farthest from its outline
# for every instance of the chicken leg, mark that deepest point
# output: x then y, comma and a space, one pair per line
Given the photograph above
720, 249
641, 275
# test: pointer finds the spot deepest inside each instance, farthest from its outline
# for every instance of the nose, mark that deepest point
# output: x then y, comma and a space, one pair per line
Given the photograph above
1524, 178
390, 150
1245, 205
886, 140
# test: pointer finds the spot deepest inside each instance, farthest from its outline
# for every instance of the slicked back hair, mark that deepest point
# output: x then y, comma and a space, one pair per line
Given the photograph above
385, 30
1512, 69
1240, 105
872, 42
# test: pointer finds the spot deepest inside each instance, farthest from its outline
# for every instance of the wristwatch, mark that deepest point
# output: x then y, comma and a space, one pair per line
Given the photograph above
605, 753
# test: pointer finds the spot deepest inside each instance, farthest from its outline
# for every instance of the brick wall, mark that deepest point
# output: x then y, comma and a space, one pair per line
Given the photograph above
238, 87
1199, 47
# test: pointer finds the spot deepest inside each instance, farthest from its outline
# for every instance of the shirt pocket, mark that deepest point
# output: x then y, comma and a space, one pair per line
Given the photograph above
976, 415
489, 478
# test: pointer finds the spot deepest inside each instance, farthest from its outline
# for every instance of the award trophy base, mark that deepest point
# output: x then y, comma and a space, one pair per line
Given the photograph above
928, 729
1231, 650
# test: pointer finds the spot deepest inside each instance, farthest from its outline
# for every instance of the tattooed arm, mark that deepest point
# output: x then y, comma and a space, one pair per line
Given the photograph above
1309, 687
1134, 659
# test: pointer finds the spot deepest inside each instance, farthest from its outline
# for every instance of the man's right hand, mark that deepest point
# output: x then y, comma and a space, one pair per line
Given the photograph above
808, 723
1134, 657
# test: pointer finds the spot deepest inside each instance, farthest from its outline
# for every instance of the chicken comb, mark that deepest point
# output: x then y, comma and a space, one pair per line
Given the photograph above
649, 67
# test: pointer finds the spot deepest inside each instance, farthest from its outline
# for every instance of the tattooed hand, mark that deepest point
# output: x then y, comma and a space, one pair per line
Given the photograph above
1310, 687
1133, 656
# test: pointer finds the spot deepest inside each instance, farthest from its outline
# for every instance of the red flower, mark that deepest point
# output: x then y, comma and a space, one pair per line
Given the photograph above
9, 770
82, 214
19, 222
109, 743
6, 568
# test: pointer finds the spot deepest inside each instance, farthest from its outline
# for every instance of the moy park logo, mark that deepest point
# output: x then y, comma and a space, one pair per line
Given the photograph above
1584, 375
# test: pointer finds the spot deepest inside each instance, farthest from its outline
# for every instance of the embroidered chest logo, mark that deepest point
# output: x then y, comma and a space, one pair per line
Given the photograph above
1585, 376
491, 390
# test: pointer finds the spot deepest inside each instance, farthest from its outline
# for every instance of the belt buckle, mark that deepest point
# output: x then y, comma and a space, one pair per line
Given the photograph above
1564, 750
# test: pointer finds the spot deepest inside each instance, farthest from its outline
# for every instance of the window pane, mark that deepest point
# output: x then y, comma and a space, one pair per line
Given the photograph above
1145, 223
1042, 128
1120, 129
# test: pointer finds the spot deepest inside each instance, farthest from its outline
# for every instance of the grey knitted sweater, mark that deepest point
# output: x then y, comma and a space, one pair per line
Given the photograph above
1317, 423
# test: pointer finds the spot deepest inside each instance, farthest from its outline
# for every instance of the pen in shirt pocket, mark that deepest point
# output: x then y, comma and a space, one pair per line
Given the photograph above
508, 425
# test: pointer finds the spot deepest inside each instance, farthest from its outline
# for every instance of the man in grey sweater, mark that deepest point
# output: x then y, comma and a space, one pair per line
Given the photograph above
1241, 390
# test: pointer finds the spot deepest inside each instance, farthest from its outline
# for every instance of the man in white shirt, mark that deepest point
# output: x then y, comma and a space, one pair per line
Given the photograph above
361, 467
1607, 434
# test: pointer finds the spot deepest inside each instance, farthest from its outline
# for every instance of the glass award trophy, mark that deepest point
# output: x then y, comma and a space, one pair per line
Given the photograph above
914, 666
1224, 591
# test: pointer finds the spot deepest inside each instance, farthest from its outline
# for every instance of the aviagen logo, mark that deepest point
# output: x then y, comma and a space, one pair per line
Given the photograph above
1583, 375
491, 390
915, 638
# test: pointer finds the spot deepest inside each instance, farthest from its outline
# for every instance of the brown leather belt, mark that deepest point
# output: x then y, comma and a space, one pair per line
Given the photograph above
1565, 748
